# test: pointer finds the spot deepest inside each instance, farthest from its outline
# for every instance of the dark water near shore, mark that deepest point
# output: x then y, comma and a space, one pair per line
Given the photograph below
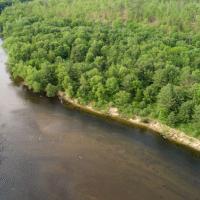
51, 153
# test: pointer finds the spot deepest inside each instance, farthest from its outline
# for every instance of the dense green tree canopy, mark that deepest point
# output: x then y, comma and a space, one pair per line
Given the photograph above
143, 57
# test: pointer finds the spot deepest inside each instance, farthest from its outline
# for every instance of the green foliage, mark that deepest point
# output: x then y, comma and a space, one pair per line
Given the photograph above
167, 99
143, 57
51, 90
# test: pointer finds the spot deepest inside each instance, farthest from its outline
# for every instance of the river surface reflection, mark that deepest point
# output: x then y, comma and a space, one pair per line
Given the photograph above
48, 152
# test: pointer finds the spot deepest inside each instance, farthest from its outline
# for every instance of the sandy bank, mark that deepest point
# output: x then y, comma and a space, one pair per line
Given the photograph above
165, 131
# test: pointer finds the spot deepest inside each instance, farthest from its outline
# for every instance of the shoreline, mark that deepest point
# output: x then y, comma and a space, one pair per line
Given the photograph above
173, 135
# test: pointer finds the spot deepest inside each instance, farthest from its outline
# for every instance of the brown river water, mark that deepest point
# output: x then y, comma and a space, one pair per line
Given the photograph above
48, 152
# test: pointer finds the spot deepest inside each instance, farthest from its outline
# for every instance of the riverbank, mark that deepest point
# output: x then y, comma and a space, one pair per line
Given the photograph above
173, 135
46, 143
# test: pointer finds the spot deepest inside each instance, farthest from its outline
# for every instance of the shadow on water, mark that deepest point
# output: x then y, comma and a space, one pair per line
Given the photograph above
167, 150
141, 135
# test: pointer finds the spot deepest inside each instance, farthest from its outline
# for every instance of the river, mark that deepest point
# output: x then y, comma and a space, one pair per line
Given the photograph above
48, 152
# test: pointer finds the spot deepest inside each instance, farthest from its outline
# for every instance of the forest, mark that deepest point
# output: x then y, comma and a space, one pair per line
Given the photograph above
141, 56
